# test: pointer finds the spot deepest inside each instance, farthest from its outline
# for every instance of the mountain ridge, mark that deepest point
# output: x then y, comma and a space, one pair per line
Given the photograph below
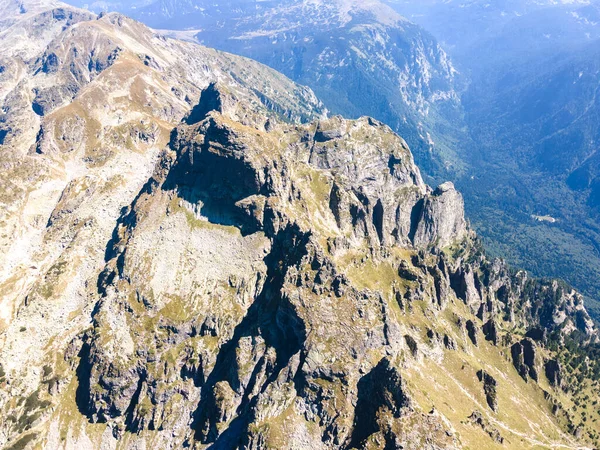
242, 271
361, 58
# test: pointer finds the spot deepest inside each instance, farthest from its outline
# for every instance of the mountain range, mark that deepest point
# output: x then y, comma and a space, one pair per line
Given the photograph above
501, 100
196, 254
531, 110
360, 58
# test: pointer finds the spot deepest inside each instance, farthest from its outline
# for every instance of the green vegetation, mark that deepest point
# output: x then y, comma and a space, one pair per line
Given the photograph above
566, 249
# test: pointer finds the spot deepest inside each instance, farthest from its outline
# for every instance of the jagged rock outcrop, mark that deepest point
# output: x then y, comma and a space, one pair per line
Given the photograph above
489, 388
442, 219
381, 389
490, 330
479, 420
525, 359
472, 332
463, 283
554, 373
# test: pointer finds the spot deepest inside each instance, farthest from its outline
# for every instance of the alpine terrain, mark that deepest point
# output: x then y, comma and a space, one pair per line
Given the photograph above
195, 254
360, 57
532, 110
502, 101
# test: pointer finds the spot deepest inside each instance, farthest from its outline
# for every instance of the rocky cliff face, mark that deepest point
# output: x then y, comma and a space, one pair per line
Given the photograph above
240, 271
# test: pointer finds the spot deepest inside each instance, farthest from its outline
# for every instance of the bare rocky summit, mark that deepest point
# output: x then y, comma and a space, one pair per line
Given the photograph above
195, 256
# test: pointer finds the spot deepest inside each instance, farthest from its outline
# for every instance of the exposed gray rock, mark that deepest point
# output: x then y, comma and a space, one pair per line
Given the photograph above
490, 330
525, 359
412, 345
441, 219
489, 388
382, 388
449, 343
477, 418
441, 283
406, 272
463, 284
554, 373
472, 331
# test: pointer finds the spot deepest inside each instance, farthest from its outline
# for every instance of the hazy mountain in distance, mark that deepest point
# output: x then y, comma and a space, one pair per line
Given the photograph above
360, 57
467, 27
532, 111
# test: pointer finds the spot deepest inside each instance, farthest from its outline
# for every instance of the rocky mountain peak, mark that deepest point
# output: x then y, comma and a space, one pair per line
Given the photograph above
197, 256
340, 251
367, 171
360, 57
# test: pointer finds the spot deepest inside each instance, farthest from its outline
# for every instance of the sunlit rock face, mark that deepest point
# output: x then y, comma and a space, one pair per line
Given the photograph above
197, 256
